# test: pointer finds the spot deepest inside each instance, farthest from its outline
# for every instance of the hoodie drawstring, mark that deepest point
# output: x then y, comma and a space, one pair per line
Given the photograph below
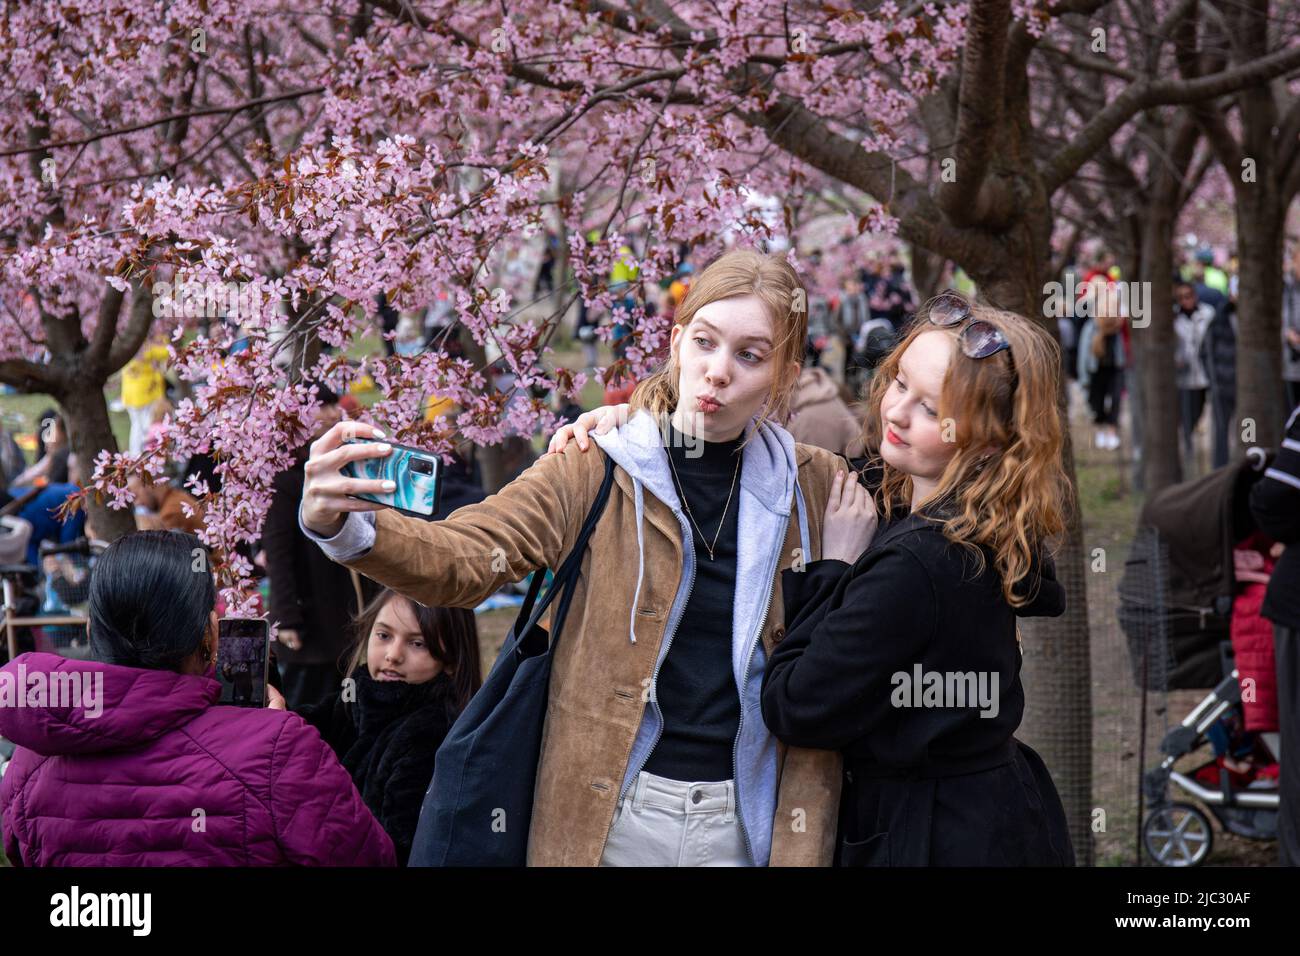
639, 497
804, 542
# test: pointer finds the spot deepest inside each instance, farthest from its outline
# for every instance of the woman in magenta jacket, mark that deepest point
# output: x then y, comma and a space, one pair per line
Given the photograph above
127, 761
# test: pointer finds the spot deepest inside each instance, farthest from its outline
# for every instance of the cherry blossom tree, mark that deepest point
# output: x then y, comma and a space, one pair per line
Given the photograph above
289, 171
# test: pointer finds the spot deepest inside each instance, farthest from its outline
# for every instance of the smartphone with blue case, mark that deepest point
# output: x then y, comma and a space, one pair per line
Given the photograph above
414, 472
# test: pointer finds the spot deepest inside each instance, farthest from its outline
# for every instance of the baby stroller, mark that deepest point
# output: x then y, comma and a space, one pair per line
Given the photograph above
1176, 604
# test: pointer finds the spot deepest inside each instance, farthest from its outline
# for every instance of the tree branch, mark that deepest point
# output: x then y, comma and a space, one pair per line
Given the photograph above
137, 330
1289, 138
806, 136
203, 111
29, 377
106, 325
1089, 64
1145, 94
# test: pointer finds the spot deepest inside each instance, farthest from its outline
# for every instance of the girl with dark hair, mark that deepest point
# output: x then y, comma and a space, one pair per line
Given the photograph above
412, 673
126, 760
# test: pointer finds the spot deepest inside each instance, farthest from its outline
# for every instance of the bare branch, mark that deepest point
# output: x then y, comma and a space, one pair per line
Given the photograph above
29, 376
1145, 94
106, 325
1093, 64
203, 111
137, 329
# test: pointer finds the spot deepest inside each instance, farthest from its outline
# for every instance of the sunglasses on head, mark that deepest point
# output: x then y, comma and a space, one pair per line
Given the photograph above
979, 339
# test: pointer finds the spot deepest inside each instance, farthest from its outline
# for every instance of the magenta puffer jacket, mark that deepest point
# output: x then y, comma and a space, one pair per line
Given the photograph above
146, 771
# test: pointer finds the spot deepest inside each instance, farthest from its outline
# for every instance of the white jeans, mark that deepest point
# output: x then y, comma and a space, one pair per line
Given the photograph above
141, 418
662, 822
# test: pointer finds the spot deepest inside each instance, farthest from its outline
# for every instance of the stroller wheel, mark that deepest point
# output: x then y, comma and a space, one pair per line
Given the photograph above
1178, 835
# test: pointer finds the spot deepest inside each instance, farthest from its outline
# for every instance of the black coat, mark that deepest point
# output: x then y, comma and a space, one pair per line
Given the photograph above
1275, 504
309, 592
935, 784
1219, 351
387, 739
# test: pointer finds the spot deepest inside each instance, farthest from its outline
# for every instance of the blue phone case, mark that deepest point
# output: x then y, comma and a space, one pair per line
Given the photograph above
417, 488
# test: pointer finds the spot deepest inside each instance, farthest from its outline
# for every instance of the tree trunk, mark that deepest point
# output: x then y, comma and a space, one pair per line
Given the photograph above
927, 272
89, 433
1154, 348
1260, 225
1057, 675
1259, 168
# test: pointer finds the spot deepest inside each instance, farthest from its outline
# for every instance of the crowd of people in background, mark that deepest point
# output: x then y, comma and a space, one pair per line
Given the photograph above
1098, 346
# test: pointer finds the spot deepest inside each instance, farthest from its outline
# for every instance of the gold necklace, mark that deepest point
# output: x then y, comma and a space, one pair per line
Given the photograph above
723, 520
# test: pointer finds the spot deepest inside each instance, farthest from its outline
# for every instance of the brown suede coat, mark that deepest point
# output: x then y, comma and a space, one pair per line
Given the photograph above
598, 675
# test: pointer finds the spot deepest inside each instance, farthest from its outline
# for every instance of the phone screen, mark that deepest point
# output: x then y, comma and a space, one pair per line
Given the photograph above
413, 471
243, 650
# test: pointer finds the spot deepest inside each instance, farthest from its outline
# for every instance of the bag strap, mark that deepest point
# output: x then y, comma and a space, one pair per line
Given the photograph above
356, 587
567, 572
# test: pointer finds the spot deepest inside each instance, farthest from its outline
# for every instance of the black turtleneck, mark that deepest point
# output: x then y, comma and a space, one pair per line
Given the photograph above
695, 687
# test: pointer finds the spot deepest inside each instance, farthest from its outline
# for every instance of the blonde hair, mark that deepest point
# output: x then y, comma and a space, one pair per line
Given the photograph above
1004, 407
741, 272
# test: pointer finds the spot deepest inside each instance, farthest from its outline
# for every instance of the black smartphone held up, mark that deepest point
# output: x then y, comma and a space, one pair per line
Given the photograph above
243, 653
414, 472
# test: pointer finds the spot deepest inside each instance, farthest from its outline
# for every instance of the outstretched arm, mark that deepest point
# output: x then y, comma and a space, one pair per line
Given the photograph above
531, 523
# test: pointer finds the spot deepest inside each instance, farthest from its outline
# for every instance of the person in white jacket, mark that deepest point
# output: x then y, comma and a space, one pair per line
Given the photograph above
1192, 319
1101, 361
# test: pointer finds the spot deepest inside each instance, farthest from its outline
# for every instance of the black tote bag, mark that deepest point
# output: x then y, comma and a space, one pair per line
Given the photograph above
479, 805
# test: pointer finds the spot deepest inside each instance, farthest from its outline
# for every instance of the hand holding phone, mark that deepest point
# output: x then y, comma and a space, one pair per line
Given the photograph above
327, 494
